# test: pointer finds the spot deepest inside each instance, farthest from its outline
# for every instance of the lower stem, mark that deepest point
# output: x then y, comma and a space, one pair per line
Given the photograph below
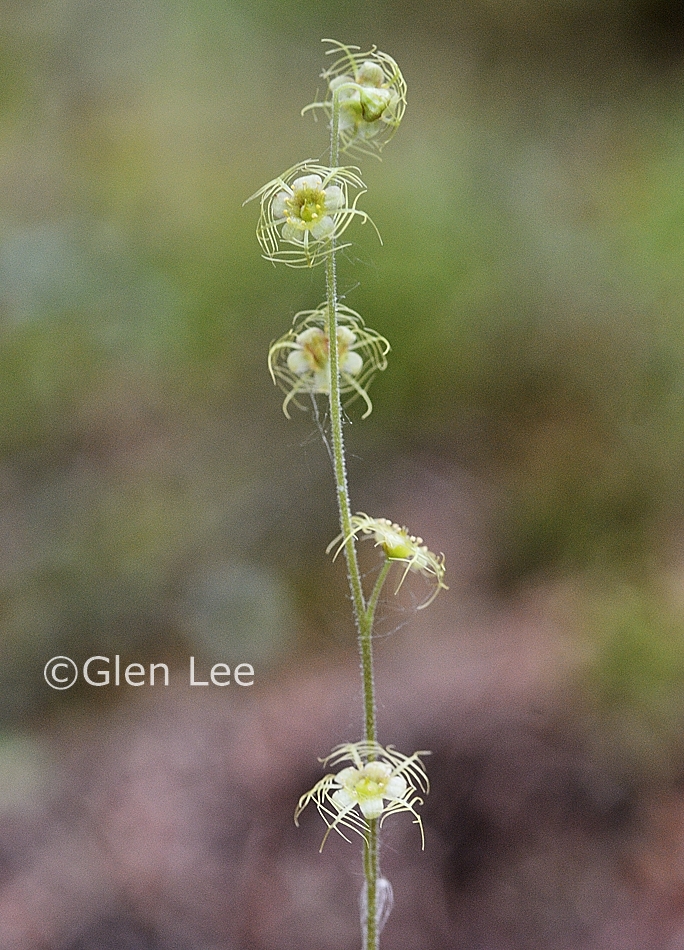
371, 867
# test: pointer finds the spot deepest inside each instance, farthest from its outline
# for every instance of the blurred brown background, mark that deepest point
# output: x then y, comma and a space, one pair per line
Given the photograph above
155, 503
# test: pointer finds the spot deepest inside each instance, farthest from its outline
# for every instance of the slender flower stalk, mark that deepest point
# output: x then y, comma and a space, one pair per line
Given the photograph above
304, 216
398, 545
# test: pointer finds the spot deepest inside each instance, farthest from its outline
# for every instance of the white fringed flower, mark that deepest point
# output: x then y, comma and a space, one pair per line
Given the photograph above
371, 92
379, 782
299, 362
303, 209
398, 545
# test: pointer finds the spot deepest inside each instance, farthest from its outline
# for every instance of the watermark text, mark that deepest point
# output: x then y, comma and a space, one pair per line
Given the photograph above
61, 672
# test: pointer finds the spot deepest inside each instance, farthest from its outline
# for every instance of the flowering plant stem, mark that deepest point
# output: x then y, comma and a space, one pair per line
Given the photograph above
364, 613
331, 351
371, 870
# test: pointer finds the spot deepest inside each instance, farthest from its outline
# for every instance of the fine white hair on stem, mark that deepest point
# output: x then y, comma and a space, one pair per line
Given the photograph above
384, 902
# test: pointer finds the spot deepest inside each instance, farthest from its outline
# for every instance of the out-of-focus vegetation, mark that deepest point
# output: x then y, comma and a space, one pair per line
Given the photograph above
633, 682
531, 284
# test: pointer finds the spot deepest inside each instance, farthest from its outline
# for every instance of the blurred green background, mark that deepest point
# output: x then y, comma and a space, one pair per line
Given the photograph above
153, 497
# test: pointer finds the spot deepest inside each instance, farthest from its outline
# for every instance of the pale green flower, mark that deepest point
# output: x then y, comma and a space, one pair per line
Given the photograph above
371, 93
398, 545
299, 362
379, 782
303, 209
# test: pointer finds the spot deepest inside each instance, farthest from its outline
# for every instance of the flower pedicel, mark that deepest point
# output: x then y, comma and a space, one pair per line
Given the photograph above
398, 545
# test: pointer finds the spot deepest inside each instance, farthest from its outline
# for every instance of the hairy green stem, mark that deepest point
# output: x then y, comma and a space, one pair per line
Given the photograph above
343, 503
371, 868
364, 628
364, 615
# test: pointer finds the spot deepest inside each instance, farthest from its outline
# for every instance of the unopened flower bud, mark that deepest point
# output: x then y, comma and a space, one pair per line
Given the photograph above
370, 93
374, 102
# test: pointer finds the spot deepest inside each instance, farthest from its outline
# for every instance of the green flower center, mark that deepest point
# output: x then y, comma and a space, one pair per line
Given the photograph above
396, 546
306, 205
369, 788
